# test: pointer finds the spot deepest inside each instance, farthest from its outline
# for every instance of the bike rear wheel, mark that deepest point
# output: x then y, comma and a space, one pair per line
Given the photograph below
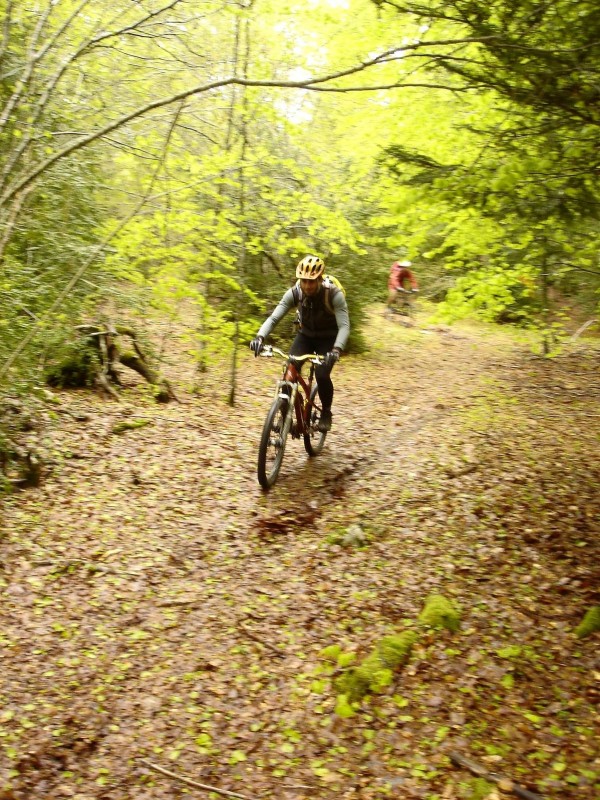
272, 443
314, 439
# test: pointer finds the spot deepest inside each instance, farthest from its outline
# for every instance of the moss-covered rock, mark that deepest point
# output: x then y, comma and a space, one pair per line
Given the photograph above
394, 650
477, 789
376, 671
354, 684
589, 624
440, 613
330, 653
343, 707
130, 425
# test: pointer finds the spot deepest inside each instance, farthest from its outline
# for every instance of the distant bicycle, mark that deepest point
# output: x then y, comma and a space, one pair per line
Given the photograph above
295, 411
403, 304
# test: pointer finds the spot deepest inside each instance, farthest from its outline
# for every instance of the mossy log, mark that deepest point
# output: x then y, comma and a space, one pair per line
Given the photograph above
162, 390
95, 358
376, 671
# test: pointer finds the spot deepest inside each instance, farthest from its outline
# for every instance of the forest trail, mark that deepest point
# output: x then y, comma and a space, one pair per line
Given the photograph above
158, 605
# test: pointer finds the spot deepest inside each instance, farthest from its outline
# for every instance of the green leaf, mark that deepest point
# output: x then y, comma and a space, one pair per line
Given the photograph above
532, 717
508, 680
512, 651
237, 757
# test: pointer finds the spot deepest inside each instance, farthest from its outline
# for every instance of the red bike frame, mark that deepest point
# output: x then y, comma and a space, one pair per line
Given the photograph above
302, 406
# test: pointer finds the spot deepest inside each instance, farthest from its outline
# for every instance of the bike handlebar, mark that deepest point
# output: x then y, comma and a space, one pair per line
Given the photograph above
269, 351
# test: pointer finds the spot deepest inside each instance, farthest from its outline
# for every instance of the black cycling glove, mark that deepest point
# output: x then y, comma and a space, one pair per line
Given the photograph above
331, 358
256, 345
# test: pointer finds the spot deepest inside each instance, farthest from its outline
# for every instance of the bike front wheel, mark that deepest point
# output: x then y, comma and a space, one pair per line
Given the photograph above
314, 439
272, 443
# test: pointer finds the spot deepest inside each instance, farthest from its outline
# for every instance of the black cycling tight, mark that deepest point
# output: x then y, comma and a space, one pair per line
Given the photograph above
302, 345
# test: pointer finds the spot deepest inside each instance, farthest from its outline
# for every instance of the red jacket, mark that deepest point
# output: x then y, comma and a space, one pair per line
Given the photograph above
399, 275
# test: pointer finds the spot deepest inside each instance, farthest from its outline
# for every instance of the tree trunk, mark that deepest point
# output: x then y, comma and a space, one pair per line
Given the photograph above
164, 393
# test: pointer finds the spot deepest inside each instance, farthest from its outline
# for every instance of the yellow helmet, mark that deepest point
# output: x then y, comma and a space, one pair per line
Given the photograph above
309, 268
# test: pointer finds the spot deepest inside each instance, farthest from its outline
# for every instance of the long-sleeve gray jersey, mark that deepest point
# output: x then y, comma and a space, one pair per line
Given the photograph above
340, 309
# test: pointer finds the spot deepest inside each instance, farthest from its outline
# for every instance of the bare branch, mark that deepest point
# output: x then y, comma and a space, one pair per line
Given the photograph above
575, 268
11, 218
64, 27
6, 28
133, 27
29, 68
54, 80
189, 782
313, 84
396, 85
420, 11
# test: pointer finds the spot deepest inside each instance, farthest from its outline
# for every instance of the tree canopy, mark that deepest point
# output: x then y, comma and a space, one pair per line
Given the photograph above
190, 152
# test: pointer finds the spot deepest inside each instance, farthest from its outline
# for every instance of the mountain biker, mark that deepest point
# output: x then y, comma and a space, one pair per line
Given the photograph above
400, 275
324, 326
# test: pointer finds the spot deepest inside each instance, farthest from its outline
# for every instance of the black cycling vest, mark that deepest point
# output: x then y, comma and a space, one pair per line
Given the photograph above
314, 315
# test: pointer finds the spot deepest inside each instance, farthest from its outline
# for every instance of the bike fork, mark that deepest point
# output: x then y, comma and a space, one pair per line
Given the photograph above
290, 396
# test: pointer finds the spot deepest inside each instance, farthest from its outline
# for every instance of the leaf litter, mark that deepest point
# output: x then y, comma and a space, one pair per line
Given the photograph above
158, 607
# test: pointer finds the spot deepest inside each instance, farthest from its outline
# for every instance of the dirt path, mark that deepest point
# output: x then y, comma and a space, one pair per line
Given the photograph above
157, 605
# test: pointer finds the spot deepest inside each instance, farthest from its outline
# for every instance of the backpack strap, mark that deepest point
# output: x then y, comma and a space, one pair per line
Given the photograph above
330, 290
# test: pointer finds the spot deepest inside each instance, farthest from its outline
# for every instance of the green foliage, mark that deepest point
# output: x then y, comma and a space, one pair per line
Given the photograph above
48, 230
589, 624
507, 185
493, 295
492, 196
439, 612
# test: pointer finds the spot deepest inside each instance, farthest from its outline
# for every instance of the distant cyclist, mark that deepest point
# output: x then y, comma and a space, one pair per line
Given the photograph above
324, 326
402, 279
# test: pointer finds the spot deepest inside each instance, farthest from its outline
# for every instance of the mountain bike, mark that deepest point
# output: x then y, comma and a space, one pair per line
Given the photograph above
295, 411
403, 304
